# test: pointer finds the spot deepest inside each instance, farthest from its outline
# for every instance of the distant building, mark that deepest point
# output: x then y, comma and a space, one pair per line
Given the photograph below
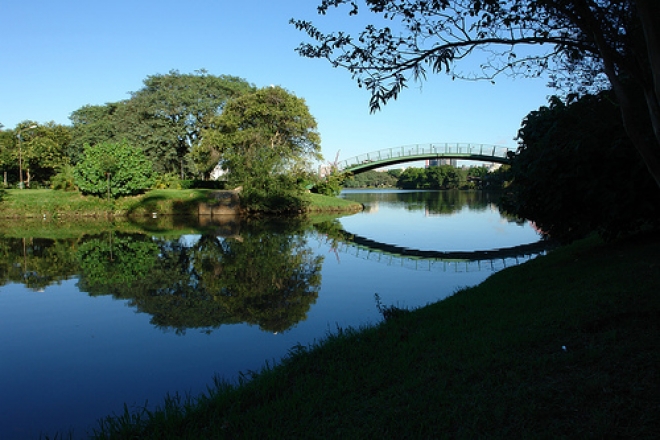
438, 162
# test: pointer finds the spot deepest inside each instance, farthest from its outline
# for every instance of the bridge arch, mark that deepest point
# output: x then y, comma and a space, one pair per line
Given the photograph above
458, 261
410, 153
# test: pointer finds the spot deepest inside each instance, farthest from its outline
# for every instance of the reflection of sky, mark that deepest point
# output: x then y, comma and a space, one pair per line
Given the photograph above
67, 359
464, 230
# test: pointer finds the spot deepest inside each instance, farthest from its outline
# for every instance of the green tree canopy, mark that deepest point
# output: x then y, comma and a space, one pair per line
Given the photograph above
39, 150
113, 168
164, 118
264, 139
435, 177
575, 172
94, 124
588, 45
372, 178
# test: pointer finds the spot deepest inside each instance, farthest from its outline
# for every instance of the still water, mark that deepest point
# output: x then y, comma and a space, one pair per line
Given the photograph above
96, 317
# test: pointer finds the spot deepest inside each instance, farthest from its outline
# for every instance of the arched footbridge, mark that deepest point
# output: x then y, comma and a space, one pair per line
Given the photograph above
410, 153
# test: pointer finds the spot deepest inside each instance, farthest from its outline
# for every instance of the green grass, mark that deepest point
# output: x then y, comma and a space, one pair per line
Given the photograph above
564, 346
45, 203
320, 202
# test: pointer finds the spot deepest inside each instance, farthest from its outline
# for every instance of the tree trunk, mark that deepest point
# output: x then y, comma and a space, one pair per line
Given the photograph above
642, 124
649, 16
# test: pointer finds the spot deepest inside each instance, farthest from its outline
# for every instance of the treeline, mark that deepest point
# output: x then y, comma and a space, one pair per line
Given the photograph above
434, 178
176, 128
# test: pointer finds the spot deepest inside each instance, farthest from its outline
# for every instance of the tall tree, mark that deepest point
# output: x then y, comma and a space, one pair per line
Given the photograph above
172, 111
601, 42
95, 124
265, 139
6, 156
164, 118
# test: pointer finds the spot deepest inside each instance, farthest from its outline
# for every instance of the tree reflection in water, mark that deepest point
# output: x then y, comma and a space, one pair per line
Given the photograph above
264, 274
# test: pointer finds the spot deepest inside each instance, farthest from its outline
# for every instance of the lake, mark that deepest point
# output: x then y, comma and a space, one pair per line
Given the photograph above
95, 319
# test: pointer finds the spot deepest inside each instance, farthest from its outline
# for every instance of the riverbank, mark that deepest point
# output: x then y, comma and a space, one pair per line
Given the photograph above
192, 202
564, 346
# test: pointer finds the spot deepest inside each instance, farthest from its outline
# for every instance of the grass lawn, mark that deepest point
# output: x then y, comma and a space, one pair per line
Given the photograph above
564, 346
39, 203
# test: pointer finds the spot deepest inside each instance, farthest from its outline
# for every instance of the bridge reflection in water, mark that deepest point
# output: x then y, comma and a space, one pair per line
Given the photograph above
459, 261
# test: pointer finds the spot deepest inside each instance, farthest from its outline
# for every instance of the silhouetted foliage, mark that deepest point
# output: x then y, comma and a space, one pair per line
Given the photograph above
576, 171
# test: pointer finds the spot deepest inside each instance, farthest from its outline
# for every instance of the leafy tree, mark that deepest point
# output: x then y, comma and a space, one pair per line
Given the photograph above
265, 140
65, 179
173, 110
45, 151
575, 172
330, 185
113, 169
94, 124
395, 172
41, 150
436, 177
442, 177
6, 154
164, 118
412, 178
588, 45
372, 178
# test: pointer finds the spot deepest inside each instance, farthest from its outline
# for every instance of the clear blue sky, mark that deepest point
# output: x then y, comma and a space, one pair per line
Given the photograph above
60, 55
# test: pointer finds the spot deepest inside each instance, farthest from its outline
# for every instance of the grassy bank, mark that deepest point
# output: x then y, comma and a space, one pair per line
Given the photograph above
50, 203
564, 346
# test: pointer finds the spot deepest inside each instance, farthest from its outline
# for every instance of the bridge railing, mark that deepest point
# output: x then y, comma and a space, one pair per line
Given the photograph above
459, 150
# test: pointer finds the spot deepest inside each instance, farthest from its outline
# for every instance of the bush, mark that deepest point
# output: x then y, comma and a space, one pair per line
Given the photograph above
330, 186
273, 195
167, 181
115, 169
64, 179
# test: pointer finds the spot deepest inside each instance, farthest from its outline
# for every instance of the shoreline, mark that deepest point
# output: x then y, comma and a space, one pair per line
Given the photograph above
54, 204
560, 346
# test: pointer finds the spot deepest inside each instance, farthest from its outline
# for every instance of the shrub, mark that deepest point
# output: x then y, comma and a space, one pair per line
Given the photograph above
115, 169
330, 186
168, 181
64, 179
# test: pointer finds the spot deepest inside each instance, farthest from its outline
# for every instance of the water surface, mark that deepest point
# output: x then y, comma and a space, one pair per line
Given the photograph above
90, 321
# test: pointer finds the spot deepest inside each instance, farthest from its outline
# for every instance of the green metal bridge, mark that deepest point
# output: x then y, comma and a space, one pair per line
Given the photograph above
410, 153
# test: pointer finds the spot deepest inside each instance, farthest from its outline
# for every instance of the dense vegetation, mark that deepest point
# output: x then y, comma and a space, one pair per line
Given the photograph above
373, 179
433, 177
577, 172
178, 128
